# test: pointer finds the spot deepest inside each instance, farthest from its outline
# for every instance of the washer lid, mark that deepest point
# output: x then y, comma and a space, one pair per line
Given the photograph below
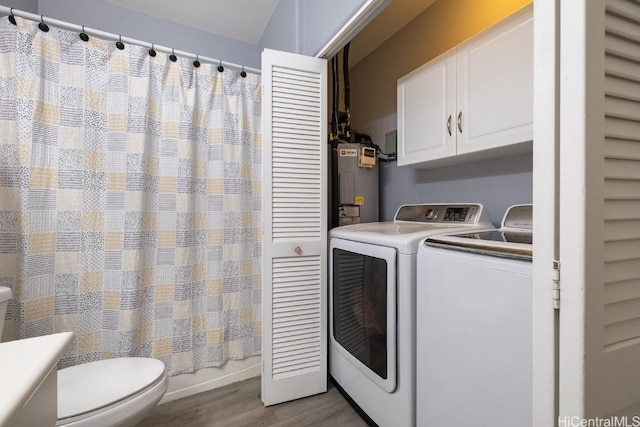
91, 386
498, 243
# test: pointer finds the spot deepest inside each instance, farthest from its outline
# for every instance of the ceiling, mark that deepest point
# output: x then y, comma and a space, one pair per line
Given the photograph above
246, 20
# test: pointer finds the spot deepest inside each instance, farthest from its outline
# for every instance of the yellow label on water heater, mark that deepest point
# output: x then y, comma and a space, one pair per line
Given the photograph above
359, 200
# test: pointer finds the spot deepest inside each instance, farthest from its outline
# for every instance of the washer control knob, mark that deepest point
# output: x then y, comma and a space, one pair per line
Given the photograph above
430, 214
298, 250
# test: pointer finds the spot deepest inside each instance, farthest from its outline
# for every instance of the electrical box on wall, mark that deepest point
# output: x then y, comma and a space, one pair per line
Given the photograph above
391, 142
366, 157
357, 183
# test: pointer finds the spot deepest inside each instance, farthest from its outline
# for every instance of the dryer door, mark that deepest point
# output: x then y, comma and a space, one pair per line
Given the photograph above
363, 308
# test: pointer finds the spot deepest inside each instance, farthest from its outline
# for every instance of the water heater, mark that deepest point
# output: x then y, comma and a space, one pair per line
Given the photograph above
357, 184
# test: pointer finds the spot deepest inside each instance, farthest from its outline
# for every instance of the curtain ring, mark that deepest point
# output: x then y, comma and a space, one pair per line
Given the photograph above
220, 67
196, 63
152, 51
44, 27
84, 36
173, 56
119, 43
243, 73
12, 18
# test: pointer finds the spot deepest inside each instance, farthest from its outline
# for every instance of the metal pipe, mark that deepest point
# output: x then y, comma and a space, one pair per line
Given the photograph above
110, 36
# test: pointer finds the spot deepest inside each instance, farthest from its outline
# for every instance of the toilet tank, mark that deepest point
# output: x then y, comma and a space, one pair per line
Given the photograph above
5, 296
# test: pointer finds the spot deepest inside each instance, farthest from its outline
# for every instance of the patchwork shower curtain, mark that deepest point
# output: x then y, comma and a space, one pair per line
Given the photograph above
129, 200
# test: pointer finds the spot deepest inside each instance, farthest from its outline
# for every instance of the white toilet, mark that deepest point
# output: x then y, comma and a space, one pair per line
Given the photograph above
106, 393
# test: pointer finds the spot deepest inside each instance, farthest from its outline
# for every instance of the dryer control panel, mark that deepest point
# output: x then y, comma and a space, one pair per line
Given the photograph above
440, 213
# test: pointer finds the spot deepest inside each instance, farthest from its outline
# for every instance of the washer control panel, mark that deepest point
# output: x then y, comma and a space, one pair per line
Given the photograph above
440, 214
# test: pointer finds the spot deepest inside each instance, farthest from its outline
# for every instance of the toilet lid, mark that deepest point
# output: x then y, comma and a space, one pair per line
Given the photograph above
91, 386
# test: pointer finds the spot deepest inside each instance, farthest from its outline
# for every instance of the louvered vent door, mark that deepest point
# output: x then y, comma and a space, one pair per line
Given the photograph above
294, 294
600, 210
622, 175
621, 281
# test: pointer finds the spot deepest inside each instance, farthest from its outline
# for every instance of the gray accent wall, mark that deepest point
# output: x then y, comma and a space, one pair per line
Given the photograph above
496, 183
110, 18
321, 21
306, 26
283, 33
26, 5
297, 26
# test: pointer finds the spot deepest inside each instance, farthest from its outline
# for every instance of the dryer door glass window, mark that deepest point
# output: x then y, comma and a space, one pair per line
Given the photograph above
360, 307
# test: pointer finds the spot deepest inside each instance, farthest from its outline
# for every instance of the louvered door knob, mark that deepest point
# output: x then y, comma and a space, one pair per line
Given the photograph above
298, 250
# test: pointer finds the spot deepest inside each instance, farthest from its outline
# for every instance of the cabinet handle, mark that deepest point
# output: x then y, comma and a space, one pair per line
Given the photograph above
449, 124
460, 121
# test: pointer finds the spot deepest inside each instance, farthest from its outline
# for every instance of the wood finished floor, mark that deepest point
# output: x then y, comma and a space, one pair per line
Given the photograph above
239, 404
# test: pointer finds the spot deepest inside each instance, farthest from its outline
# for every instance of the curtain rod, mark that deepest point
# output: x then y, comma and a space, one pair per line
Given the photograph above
118, 37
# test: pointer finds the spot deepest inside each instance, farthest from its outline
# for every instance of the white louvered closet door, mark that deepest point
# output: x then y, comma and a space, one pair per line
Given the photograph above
599, 347
294, 280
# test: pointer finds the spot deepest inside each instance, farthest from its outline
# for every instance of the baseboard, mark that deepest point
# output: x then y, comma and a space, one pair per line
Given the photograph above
206, 379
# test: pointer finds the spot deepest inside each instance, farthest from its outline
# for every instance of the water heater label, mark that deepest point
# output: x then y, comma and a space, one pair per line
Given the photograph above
348, 211
359, 200
348, 152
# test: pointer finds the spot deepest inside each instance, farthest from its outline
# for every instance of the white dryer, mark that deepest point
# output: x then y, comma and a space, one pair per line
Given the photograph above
372, 305
474, 345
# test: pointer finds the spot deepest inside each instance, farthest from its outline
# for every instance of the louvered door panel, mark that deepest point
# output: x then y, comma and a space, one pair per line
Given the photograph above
296, 154
599, 144
296, 316
295, 211
622, 175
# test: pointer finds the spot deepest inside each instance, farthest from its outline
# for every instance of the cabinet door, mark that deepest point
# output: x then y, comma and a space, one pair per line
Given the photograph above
495, 86
426, 106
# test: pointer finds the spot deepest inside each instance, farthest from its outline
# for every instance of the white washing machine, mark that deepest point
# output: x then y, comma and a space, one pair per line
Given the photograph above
372, 305
474, 338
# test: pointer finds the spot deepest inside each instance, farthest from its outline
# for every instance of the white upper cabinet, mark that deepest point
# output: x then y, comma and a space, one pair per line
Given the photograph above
495, 87
426, 101
476, 98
